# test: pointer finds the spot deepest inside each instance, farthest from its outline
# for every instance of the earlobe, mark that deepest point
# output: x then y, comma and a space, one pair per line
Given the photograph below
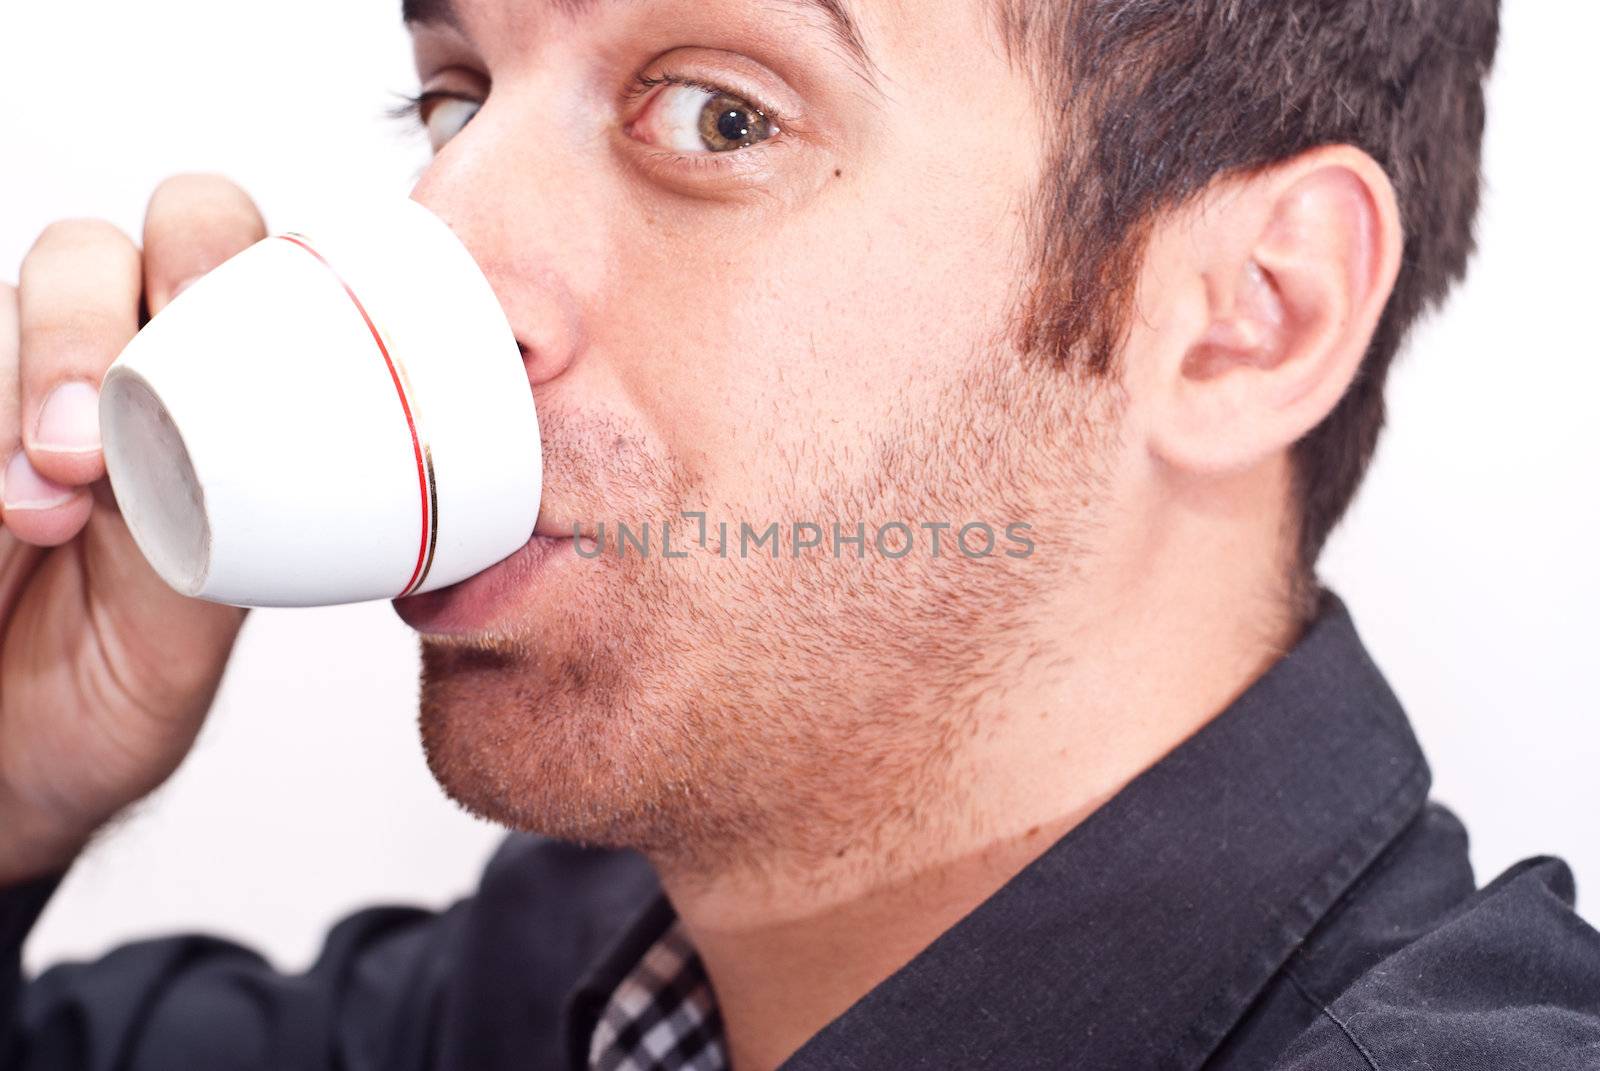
1298, 267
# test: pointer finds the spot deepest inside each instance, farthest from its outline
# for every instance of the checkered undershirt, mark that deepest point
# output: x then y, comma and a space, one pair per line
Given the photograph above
662, 1016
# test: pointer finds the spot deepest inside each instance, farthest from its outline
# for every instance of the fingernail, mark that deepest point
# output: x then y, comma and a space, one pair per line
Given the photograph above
69, 423
24, 488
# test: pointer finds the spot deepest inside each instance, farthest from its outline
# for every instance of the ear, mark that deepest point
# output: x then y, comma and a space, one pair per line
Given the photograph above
1282, 277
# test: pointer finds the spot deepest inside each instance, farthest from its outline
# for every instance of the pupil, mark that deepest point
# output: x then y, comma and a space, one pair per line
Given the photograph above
733, 125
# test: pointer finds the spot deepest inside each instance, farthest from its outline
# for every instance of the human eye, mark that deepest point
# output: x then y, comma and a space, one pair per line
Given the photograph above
440, 113
693, 117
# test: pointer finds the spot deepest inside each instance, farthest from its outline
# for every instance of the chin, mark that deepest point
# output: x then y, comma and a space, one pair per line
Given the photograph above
571, 725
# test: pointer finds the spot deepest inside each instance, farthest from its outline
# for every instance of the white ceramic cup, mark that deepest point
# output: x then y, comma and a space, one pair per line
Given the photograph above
328, 417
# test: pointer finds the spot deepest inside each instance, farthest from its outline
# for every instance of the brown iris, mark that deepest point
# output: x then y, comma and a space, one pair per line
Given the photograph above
728, 123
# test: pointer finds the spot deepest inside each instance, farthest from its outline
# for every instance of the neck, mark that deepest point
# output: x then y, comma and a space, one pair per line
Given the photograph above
1185, 618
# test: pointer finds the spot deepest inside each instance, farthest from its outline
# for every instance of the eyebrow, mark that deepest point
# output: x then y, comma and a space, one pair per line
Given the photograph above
845, 29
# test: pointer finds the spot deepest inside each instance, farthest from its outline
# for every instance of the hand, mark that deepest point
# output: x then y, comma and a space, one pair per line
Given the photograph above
106, 673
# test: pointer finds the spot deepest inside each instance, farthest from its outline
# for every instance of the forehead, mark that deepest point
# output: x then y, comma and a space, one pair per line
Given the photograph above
857, 28
838, 15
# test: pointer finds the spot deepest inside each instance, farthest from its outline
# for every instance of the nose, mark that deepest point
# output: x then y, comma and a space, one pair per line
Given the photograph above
519, 261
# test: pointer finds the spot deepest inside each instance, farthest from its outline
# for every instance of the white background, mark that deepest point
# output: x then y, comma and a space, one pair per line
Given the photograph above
1469, 561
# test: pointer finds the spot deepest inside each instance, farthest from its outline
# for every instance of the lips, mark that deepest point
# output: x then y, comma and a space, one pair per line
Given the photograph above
493, 598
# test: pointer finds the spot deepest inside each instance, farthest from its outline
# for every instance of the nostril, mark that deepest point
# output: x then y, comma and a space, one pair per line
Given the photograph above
550, 339
528, 357
544, 317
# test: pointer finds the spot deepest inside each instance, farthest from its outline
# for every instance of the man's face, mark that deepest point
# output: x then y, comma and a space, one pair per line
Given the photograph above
759, 280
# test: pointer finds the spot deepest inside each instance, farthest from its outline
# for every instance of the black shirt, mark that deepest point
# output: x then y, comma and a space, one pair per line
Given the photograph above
1275, 893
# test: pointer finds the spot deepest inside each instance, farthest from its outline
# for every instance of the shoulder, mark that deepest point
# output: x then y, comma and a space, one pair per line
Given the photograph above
1509, 977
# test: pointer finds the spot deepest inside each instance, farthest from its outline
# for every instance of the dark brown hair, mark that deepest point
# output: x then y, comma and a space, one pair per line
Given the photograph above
1156, 99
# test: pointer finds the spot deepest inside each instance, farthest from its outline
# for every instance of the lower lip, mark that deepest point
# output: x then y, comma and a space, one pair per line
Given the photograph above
483, 599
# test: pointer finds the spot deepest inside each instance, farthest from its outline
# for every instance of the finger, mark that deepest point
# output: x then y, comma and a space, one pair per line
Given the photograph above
78, 307
193, 224
34, 509
10, 389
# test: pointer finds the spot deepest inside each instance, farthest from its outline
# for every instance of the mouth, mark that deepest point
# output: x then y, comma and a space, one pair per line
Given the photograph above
488, 600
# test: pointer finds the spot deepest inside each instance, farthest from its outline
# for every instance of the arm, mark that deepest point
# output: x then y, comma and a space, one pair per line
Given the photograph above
371, 1000
106, 676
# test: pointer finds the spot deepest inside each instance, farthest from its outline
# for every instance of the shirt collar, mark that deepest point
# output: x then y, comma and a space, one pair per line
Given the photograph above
1141, 937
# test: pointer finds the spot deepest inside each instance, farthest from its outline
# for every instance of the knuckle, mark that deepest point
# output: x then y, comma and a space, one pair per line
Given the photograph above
69, 337
200, 194
194, 223
73, 235
187, 184
68, 252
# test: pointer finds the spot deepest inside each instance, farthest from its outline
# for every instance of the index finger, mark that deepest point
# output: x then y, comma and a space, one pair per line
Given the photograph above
78, 307
193, 224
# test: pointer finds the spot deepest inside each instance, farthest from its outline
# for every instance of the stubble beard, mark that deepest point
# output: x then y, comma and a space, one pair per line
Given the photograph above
717, 713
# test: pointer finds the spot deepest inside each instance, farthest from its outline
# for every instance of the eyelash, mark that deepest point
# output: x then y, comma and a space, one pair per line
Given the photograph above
412, 109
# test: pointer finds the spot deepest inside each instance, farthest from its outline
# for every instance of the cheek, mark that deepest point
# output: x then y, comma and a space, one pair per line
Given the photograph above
765, 349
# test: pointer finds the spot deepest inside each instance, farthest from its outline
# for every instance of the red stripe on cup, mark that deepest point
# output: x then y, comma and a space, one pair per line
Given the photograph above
405, 405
